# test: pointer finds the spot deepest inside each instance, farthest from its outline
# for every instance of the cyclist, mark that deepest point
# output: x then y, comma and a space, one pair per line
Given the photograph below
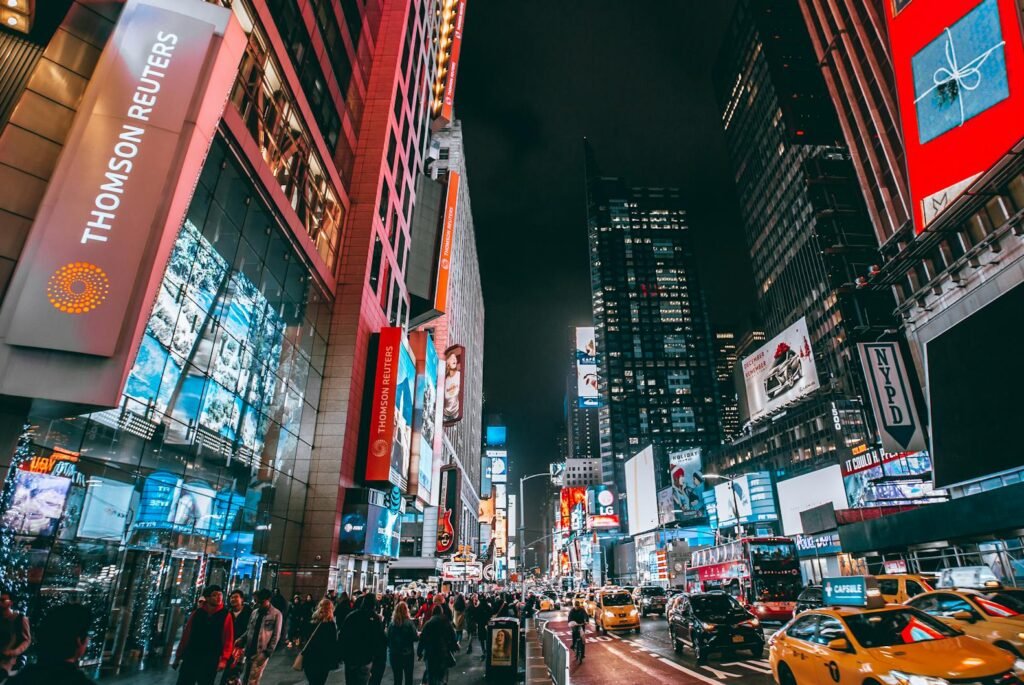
578, 620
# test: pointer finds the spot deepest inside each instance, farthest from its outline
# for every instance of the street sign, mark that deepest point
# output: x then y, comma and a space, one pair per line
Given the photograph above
472, 571
852, 591
489, 572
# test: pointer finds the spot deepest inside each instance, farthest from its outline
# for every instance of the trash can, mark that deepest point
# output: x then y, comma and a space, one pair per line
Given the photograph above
502, 649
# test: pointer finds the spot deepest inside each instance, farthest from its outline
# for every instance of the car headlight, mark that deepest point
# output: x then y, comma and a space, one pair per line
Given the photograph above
1018, 668
900, 678
609, 614
753, 623
710, 627
632, 612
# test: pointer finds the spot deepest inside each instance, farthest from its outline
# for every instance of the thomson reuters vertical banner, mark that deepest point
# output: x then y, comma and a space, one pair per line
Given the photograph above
105, 228
382, 419
444, 258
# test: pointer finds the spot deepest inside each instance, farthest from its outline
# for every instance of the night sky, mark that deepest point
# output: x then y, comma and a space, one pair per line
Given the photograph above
535, 79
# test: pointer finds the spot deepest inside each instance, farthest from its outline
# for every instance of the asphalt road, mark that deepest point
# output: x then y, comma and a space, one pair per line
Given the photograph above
648, 657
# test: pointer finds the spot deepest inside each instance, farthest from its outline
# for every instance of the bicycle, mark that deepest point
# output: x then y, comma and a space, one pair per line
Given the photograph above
579, 642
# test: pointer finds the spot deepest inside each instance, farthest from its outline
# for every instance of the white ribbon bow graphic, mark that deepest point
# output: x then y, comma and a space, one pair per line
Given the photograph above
966, 77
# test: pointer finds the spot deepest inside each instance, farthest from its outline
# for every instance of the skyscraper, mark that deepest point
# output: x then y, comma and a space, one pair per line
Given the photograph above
655, 354
725, 367
808, 234
582, 429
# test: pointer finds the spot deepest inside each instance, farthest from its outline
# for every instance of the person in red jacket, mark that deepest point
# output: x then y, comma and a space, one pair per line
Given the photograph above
207, 640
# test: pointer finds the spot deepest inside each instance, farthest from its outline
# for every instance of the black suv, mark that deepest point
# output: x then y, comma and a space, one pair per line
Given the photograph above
650, 599
810, 598
714, 622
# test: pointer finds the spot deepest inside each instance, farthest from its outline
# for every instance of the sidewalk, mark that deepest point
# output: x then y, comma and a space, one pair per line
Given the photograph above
468, 670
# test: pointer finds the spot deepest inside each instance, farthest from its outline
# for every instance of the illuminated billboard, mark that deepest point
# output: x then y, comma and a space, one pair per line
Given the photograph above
641, 492
780, 372
587, 392
448, 510
603, 505
454, 370
557, 473
875, 479
371, 523
797, 495
573, 509
425, 416
453, 19
444, 258
748, 498
92, 263
959, 68
391, 410
499, 465
687, 477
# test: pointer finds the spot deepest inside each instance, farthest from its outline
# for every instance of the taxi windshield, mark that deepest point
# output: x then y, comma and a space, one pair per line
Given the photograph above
619, 599
898, 627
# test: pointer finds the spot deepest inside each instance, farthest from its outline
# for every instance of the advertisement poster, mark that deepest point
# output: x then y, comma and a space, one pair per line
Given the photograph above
485, 476
557, 471
499, 465
501, 646
780, 372
190, 508
500, 496
889, 478
687, 477
573, 509
603, 505
641, 492
392, 409
36, 503
797, 495
586, 368
748, 498
448, 510
959, 68
666, 506
454, 369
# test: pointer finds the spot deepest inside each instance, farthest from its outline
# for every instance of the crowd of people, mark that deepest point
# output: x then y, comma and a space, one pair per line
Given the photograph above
231, 643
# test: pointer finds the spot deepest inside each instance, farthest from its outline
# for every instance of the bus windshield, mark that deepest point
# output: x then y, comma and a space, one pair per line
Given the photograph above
773, 552
768, 589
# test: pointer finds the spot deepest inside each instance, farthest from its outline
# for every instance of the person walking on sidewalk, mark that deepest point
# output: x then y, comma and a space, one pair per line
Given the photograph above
240, 613
402, 638
206, 642
361, 639
15, 635
62, 641
320, 655
260, 638
483, 615
437, 647
459, 616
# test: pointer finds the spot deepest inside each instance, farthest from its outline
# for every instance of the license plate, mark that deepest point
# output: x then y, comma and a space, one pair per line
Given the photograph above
737, 638
622, 616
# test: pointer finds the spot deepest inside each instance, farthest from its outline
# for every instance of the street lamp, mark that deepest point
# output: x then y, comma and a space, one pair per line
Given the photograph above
522, 529
735, 503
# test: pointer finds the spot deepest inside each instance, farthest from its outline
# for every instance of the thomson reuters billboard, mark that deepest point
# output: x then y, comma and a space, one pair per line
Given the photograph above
390, 441
105, 228
959, 67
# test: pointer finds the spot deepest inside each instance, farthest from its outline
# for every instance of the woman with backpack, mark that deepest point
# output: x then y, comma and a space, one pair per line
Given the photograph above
402, 638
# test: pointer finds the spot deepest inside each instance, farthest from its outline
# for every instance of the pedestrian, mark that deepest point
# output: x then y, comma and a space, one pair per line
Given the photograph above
441, 601
342, 608
320, 655
459, 615
423, 613
437, 647
207, 640
362, 639
402, 638
308, 608
62, 640
295, 621
240, 614
260, 639
15, 635
483, 616
472, 607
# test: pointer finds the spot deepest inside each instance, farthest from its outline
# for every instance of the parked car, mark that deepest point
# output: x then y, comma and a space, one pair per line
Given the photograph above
714, 622
809, 598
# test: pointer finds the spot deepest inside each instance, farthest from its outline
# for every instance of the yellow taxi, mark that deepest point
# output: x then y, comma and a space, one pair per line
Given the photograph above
614, 610
995, 614
858, 638
546, 604
590, 604
897, 588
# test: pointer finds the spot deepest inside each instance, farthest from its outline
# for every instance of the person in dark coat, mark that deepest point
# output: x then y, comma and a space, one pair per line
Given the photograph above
362, 640
207, 641
62, 640
342, 608
241, 612
437, 644
482, 615
402, 639
320, 655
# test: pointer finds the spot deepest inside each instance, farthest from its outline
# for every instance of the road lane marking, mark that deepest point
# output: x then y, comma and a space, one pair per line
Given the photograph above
694, 674
750, 666
634, 662
721, 675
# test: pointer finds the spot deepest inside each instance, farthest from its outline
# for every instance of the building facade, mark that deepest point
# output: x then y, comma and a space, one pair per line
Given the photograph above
213, 433
728, 399
656, 364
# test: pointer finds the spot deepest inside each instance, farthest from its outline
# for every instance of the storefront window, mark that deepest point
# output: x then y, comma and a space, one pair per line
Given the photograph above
199, 475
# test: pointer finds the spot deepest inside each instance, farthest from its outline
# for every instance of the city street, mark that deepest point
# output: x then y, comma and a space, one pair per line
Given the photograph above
629, 657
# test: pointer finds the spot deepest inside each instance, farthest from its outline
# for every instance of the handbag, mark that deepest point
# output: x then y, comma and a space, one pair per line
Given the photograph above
297, 664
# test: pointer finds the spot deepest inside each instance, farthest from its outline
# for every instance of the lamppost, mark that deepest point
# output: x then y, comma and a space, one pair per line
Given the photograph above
735, 503
522, 529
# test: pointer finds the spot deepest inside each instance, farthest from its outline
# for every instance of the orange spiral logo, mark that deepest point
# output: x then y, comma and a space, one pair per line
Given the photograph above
77, 288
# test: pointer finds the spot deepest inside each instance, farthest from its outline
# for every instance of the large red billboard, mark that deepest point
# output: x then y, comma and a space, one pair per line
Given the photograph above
573, 511
959, 68
391, 412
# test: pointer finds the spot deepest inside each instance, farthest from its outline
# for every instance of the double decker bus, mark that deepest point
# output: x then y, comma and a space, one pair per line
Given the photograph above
763, 574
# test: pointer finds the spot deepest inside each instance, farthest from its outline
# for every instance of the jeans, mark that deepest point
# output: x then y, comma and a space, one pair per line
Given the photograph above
357, 675
402, 666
